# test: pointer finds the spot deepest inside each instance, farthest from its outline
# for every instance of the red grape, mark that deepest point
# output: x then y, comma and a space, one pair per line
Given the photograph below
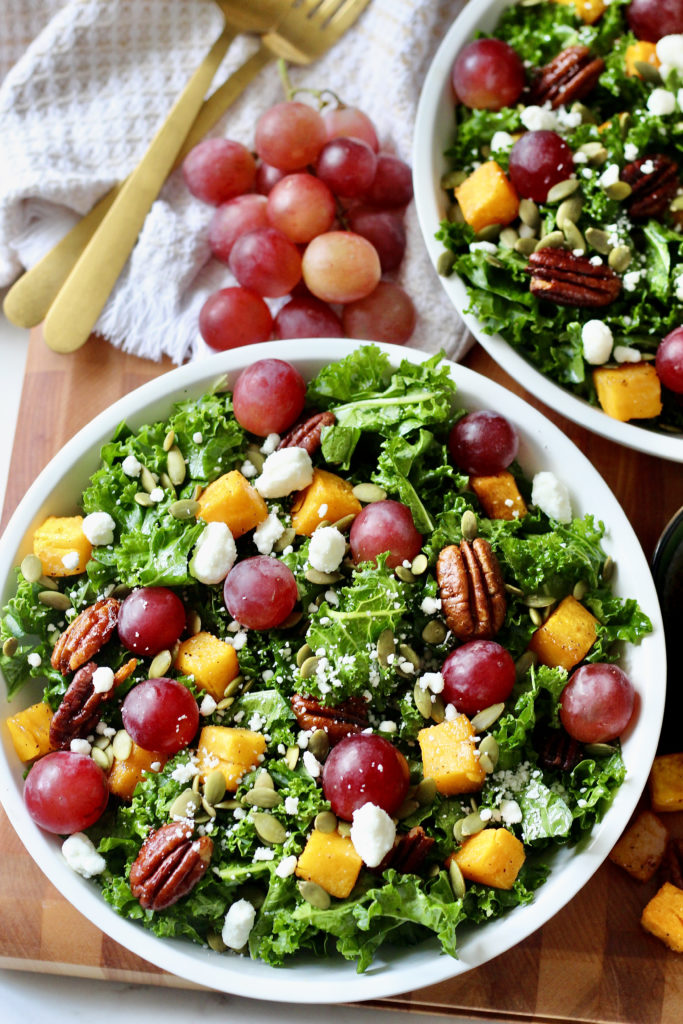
487, 75
235, 218
289, 135
341, 266
597, 703
65, 792
365, 768
476, 675
393, 182
268, 397
307, 317
267, 177
385, 526
669, 362
260, 592
266, 262
348, 166
652, 19
219, 169
150, 620
160, 715
234, 316
538, 160
387, 314
483, 443
384, 229
301, 206
350, 121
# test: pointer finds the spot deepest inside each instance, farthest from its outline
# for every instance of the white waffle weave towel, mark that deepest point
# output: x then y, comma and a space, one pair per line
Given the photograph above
85, 85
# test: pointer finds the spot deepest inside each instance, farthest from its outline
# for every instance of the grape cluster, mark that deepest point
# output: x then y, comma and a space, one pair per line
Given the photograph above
315, 217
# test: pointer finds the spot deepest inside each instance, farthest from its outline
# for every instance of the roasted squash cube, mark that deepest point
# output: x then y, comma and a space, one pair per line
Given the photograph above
233, 751
450, 756
211, 662
499, 495
60, 538
487, 197
491, 857
666, 783
30, 731
641, 52
331, 861
231, 499
588, 10
566, 637
328, 497
663, 916
641, 849
629, 392
125, 774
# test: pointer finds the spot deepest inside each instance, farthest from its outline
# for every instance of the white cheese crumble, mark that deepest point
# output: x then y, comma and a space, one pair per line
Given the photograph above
239, 921
80, 746
102, 679
156, 495
537, 119
661, 102
34, 659
551, 496
483, 247
286, 867
669, 50
291, 804
631, 280
326, 549
70, 560
432, 681
131, 466
597, 341
98, 527
311, 764
214, 554
207, 706
197, 437
372, 834
610, 176
185, 772
248, 469
501, 141
630, 151
430, 605
267, 533
626, 354
270, 444
286, 470
81, 856
510, 812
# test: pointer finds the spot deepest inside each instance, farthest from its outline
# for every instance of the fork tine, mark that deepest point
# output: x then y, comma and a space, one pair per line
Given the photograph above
347, 12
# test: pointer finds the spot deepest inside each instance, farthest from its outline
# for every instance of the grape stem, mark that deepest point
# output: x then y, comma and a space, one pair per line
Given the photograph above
324, 96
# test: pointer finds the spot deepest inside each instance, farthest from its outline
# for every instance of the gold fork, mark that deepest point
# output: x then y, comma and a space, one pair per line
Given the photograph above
307, 30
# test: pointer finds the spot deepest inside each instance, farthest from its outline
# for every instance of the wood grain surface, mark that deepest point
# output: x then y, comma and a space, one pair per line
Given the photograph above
590, 963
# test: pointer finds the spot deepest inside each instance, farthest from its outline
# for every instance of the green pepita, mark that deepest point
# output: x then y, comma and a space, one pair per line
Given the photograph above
48, 583
102, 742
619, 190
404, 574
214, 787
225, 703
562, 190
227, 805
268, 828
316, 576
445, 262
599, 240
587, 116
438, 709
599, 749
489, 233
291, 757
293, 619
185, 804
175, 465
469, 525
309, 666
471, 824
620, 258
536, 616
425, 793
434, 632
407, 654
54, 599
315, 895
303, 654
451, 179
529, 213
580, 590
525, 246
573, 237
512, 589
508, 238
208, 808
100, 758
148, 480
344, 828
553, 240
10, 646
233, 686
454, 213
122, 745
456, 879
423, 701
676, 205
569, 211
285, 540
419, 564
368, 493
166, 482
325, 822
185, 508
538, 600
215, 942
261, 796
607, 568
319, 744
256, 457
196, 782
344, 523
595, 151
160, 665
168, 440
143, 499
31, 568
648, 72
408, 807
524, 663
264, 779
489, 747
485, 718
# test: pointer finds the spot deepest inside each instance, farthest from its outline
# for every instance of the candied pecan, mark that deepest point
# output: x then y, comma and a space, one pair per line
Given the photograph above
169, 865
79, 711
672, 865
88, 632
408, 853
557, 749
125, 670
349, 716
568, 280
472, 590
654, 183
307, 433
568, 77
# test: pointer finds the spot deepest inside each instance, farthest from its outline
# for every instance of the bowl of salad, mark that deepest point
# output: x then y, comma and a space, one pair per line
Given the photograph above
549, 189
295, 656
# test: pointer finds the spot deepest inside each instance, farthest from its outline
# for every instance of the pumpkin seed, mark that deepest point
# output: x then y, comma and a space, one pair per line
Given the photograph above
268, 828
232, 687
344, 523
54, 599
316, 576
538, 600
323, 522
227, 805
586, 115
47, 583
264, 779
209, 809
607, 568
368, 493
529, 213
569, 211
168, 440
407, 808
215, 942
100, 758
445, 262
31, 568
303, 654
293, 619
256, 457
175, 465
319, 744
524, 663
471, 824
407, 654
485, 718
315, 895
553, 240
562, 190
419, 564
405, 575
512, 589
197, 492
489, 233
434, 632
308, 667
619, 190
599, 749
291, 757
148, 479
580, 590
676, 205
489, 747
456, 879
344, 828
493, 260
102, 742
196, 783
423, 701
535, 616
121, 590
185, 508
225, 703
438, 709
325, 822
595, 151
214, 787
166, 482
648, 72
508, 238
285, 540
160, 665
122, 745
451, 179
469, 525
454, 213
620, 258
10, 646
185, 804
599, 240
143, 499
426, 792
525, 246
457, 830
261, 796
573, 237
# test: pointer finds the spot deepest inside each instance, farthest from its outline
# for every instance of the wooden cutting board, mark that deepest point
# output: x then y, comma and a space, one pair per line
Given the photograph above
591, 962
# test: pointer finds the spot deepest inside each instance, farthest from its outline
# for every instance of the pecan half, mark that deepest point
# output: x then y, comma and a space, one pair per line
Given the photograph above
169, 865
349, 716
672, 865
409, 852
568, 77
568, 280
557, 749
472, 590
307, 433
83, 638
79, 711
654, 183
125, 670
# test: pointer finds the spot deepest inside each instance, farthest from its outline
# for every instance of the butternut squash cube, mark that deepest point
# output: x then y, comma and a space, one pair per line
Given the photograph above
125, 774
30, 731
499, 495
641, 52
663, 916
231, 499
588, 10
666, 783
328, 497
61, 537
491, 857
211, 662
233, 751
566, 637
331, 861
450, 756
629, 392
641, 849
487, 197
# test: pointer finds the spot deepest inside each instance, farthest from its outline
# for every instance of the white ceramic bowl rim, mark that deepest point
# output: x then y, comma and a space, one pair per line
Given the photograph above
310, 980
434, 127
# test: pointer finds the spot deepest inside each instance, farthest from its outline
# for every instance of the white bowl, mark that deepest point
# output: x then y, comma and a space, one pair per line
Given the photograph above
542, 446
434, 132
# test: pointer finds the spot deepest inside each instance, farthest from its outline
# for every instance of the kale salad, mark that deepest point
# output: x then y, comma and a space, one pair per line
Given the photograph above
239, 835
